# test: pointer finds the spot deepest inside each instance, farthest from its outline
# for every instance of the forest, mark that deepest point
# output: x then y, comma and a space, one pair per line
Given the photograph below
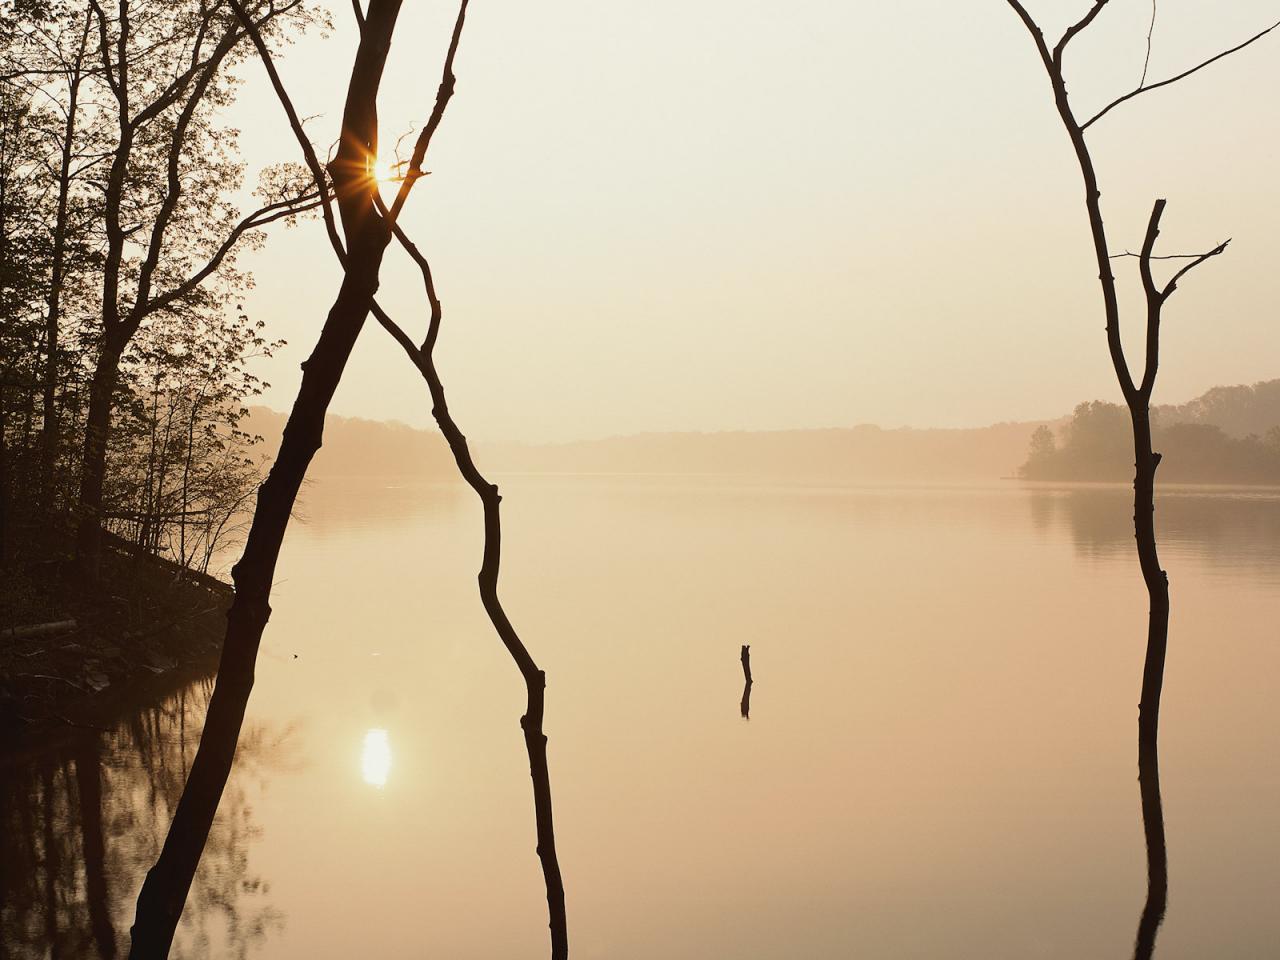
402, 426
127, 360
1228, 435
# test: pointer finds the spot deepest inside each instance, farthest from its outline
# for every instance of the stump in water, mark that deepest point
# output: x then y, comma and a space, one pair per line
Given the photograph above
746, 686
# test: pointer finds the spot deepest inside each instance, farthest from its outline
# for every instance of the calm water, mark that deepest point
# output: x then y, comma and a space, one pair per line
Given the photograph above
940, 759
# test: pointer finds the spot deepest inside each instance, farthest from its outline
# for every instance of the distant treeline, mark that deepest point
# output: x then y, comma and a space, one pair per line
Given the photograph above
861, 454
354, 447
1228, 435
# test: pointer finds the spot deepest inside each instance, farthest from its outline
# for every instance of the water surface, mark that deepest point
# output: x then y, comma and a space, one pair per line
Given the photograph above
940, 759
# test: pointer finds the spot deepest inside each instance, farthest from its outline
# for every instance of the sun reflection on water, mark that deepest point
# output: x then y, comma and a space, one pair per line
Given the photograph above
375, 758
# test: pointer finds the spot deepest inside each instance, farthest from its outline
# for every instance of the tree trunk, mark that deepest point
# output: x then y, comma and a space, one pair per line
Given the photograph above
94, 460
1157, 581
1157, 856
535, 679
164, 892
57, 276
4, 477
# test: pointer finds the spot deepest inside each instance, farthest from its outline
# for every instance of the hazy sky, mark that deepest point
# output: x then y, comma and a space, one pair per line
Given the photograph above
659, 215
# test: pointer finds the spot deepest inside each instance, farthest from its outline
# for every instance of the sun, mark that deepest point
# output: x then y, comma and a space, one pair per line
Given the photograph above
384, 170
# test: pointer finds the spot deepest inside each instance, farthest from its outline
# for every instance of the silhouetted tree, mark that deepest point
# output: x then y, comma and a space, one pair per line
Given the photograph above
1097, 445
1137, 394
166, 68
367, 231
423, 359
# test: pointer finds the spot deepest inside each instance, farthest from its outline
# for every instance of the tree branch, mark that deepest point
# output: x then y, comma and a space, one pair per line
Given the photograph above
443, 93
1077, 27
1151, 31
1147, 88
534, 678
1036, 34
1156, 295
295, 124
259, 218
1173, 282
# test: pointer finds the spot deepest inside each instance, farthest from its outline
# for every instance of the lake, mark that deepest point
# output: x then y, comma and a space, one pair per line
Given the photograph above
940, 758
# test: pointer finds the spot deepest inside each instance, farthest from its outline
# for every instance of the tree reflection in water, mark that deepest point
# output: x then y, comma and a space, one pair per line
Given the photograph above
82, 817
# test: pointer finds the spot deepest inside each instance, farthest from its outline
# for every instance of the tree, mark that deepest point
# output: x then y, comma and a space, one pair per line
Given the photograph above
1044, 448
367, 233
167, 223
423, 358
1137, 393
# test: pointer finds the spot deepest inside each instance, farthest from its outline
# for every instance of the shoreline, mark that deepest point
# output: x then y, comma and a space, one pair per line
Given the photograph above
70, 655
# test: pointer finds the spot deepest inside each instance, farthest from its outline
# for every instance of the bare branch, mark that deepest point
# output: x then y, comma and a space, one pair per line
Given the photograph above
173, 189
443, 94
1076, 28
1147, 88
355, 8
1173, 283
1144, 258
1150, 33
1167, 256
295, 124
259, 218
1036, 34
1157, 296
104, 47
534, 678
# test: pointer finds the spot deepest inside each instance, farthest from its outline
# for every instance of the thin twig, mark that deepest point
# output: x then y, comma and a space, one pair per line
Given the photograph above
445, 91
1150, 32
1167, 256
1172, 284
1182, 76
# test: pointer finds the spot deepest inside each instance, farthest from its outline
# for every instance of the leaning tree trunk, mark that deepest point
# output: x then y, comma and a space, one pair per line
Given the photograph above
164, 893
535, 679
165, 889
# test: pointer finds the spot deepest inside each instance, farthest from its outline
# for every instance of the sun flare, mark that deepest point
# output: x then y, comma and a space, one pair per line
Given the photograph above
384, 170
375, 758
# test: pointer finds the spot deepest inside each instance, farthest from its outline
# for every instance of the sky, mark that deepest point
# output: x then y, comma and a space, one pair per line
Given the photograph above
650, 215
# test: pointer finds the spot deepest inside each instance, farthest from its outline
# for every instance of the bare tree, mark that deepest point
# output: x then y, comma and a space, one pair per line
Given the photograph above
367, 232
423, 358
1137, 396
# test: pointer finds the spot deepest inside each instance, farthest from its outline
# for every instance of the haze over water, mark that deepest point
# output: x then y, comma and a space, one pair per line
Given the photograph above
939, 761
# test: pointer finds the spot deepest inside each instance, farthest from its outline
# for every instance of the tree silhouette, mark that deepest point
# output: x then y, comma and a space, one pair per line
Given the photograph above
423, 358
165, 69
1137, 394
367, 234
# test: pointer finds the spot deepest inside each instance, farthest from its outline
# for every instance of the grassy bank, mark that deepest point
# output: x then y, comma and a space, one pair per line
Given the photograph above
68, 650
